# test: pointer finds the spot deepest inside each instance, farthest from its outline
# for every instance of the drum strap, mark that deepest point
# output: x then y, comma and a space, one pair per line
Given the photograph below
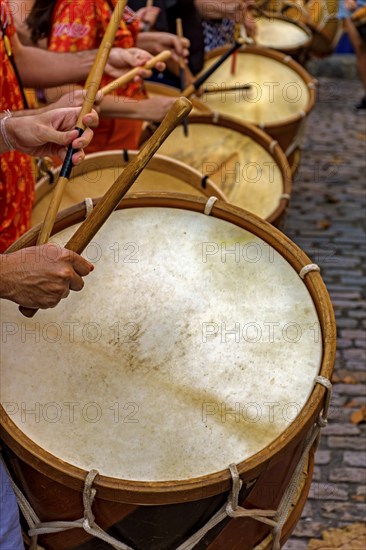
274, 518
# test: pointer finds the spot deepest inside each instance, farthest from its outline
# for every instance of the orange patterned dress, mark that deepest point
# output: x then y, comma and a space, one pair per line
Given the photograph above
80, 26
16, 171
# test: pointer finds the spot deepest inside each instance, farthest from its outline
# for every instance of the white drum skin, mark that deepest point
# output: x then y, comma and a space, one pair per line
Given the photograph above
193, 345
277, 92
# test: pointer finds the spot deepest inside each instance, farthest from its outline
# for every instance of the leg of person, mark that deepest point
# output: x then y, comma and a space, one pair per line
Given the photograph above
10, 531
359, 47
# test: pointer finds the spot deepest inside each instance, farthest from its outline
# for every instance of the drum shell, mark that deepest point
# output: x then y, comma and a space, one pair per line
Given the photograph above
281, 456
320, 16
99, 170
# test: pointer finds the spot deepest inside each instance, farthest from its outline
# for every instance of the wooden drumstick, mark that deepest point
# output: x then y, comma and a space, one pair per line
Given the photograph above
130, 75
224, 90
92, 86
182, 66
192, 88
149, 4
110, 200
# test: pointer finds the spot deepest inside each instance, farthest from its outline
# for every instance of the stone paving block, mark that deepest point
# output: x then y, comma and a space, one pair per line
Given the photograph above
354, 458
351, 475
341, 429
338, 442
344, 511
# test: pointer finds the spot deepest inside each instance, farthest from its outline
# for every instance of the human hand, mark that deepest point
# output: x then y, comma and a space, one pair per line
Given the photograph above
351, 5
156, 42
121, 60
155, 108
40, 276
51, 132
148, 16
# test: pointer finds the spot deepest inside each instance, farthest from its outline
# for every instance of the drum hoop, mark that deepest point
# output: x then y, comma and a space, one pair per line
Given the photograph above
288, 61
159, 163
266, 141
168, 492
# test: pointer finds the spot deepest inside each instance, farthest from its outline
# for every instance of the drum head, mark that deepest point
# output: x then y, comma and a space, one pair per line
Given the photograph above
280, 34
237, 157
277, 90
193, 345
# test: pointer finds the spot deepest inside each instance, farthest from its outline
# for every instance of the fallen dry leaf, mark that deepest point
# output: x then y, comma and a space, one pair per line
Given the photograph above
324, 224
359, 416
351, 537
352, 404
349, 380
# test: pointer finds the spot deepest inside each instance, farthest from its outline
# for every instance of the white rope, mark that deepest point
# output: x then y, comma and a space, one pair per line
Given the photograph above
209, 205
307, 269
88, 201
230, 509
273, 145
286, 196
36, 527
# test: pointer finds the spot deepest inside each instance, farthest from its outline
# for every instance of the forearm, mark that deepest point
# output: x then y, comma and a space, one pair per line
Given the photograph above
114, 106
41, 68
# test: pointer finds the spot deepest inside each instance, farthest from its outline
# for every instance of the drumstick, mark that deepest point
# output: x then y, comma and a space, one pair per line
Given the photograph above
182, 66
191, 89
127, 77
222, 89
92, 85
149, 4
201, 79
110, 200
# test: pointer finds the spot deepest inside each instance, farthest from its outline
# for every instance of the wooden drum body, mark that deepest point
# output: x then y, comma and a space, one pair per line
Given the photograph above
321, 17
196, 347
280, 96
99, 171
244, 162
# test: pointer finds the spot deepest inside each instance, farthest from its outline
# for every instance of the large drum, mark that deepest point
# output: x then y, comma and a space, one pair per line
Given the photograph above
244, 162
281, 94
321, 17
192, 364
98, 172
283, 34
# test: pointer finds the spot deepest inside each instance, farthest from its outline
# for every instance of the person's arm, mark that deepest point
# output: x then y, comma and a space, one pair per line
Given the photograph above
152, 109
41, 68
40, 276
48, 133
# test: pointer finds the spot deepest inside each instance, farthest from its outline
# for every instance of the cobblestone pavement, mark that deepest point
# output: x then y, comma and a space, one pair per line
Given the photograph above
326, 219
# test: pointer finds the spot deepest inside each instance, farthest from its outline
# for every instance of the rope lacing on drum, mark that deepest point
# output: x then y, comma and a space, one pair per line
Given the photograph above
215, 117
88, 201
36, 527
209, 205
273, 145
287, 59
230, 509
308, 269
285, 196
